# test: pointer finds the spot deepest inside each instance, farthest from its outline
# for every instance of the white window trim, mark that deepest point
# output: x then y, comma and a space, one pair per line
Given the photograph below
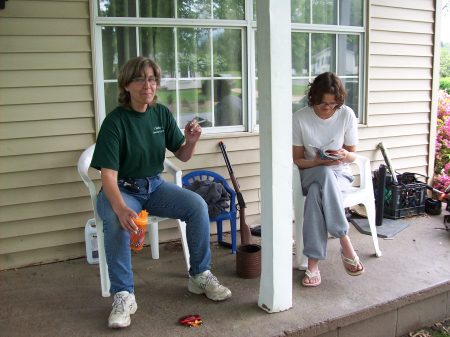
248, 27
97, 58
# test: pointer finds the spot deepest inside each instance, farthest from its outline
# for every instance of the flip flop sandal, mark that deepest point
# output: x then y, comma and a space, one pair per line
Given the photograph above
352, 262
310, 275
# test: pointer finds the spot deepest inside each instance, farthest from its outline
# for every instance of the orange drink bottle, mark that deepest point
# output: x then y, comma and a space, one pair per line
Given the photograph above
137, 239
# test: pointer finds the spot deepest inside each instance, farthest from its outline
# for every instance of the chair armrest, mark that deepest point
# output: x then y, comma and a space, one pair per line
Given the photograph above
296, 181
170, 168
364, 171
83, 165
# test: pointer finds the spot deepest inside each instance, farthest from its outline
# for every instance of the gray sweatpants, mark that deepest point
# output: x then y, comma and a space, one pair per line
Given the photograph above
324, 210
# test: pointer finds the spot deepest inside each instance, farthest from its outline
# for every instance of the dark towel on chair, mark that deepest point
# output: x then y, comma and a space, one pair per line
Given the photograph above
215, 195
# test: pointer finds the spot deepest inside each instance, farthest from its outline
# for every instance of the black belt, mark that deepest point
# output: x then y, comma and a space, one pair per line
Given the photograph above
134, 185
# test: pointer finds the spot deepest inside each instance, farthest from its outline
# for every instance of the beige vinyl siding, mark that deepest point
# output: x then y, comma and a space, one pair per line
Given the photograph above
400, 69
46, 120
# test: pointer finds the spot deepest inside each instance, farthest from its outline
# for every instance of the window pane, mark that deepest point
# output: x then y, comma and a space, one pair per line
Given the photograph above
348, 54
299, 91
229, 9
228, 102
111, 94
156, 8
119, 45
254, 10
194, 52
159, 45
194, 9
352, 88
324, 12
300, 11
118, 8
227, 48
300, 54
195, 101
167, 95
323, 53
351, 12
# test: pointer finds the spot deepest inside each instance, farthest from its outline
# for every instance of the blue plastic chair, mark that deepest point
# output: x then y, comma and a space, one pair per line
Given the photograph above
203, 175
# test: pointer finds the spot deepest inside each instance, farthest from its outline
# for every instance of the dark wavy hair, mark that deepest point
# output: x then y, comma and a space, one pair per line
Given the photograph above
326, 83
135, 68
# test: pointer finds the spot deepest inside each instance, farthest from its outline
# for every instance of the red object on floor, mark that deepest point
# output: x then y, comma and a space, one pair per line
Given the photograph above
191, 320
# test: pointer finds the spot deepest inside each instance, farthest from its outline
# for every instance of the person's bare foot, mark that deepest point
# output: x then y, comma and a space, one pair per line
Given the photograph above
349, 257
311, 279
312, 274
352, 266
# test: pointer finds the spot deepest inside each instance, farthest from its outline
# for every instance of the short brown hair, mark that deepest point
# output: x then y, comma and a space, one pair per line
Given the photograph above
131, 69
326, 83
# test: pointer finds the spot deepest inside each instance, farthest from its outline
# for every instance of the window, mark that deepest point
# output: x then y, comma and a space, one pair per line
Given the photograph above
206, 50
328, 35
200, 52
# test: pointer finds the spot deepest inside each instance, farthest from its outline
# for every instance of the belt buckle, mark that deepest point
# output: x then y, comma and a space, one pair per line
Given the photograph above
130, 185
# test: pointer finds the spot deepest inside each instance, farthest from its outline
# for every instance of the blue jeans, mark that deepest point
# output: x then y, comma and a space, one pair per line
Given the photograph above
159, 198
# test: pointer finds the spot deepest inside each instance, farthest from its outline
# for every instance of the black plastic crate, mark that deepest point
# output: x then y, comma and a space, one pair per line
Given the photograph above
407, 198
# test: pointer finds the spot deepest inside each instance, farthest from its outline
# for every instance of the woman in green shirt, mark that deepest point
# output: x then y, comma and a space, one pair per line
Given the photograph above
130, 152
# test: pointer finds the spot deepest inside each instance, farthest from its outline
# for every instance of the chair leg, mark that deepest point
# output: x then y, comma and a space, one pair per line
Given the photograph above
182, 228
154, 239
233, 233
370, 210
301, 261
102, 264
219, 230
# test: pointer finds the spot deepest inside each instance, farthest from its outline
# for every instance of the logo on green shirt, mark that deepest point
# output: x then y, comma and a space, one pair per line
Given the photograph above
158, 129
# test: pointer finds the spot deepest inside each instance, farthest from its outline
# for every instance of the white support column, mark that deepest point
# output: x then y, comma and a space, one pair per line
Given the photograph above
273, 48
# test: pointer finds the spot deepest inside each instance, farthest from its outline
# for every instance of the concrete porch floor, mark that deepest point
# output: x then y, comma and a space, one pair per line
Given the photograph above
407, 288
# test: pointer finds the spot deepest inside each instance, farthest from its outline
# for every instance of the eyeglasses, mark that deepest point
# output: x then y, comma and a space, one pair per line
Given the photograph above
152, 80
324, 105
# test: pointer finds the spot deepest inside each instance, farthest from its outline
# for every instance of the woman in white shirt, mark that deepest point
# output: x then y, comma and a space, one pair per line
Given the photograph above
325, 135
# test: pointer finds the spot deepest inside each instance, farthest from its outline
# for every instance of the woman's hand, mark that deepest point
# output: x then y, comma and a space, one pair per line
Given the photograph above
298, 155
341, 154
112, 192
326, 162
192, 132
344, 156
126, 215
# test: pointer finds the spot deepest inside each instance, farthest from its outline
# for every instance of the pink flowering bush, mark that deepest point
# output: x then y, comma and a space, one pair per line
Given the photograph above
442, 158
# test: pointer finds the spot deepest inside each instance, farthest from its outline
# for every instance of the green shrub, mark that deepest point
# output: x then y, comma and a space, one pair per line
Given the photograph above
444, 84
442, 157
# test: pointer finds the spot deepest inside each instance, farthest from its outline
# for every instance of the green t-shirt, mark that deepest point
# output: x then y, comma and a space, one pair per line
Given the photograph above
134, 143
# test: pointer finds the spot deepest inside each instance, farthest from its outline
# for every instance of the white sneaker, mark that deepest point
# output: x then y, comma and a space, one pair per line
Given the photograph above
124, 305
206, 283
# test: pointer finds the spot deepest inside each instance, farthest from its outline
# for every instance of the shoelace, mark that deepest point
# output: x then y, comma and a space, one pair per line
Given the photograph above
211, 279
119, 305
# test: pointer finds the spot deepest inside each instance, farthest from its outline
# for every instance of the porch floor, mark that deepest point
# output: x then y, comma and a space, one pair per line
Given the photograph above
407, 288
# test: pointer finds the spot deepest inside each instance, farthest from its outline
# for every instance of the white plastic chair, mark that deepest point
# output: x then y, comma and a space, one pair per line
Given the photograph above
83, 167
356, 195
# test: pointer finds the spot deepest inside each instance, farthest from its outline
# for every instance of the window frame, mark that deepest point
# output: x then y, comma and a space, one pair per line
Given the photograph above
248, 27
97, 22
361, 32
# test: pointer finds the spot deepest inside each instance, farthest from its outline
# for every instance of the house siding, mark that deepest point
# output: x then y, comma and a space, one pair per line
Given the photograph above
400, 79
47, 118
